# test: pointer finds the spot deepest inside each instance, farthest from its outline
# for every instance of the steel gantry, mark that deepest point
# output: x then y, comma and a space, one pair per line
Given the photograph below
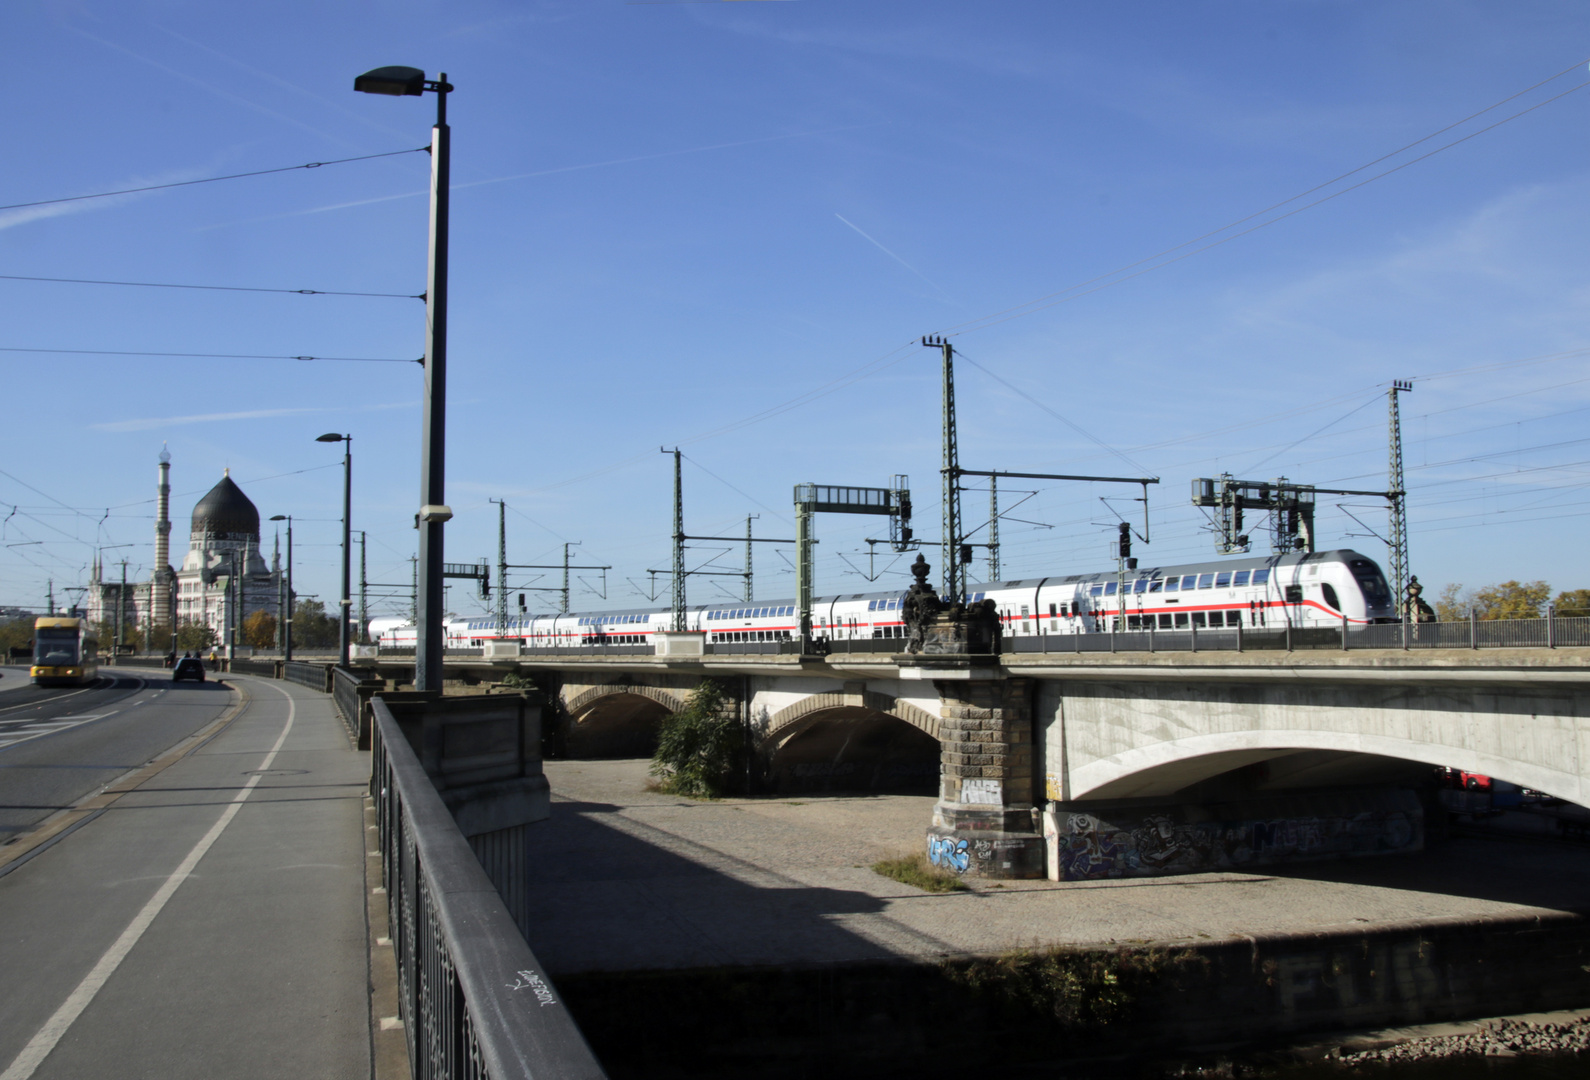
891, 502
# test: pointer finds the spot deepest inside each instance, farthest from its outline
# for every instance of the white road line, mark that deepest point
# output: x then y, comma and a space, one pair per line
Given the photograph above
39, 1047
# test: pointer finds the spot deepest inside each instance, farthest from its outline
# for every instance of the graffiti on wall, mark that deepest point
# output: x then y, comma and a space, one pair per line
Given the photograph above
1182, 840
949, 853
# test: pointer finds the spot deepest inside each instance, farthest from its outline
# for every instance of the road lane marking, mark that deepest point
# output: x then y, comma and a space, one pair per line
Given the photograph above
45, 1040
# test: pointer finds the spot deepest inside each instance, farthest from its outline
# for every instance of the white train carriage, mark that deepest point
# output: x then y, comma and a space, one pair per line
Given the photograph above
1324, 588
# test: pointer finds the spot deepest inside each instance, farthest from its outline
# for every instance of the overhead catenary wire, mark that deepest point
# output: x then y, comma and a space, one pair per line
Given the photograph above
211, 288
211, 356
212, 179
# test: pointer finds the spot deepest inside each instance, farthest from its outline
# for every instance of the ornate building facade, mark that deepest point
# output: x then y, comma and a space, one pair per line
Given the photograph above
224, 577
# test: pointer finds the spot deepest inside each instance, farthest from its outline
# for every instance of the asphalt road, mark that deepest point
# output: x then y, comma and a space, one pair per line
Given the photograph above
211, 921
59, 744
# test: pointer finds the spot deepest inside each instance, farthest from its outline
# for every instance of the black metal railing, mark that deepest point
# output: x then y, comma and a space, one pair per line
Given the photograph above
314, 676
475, 1001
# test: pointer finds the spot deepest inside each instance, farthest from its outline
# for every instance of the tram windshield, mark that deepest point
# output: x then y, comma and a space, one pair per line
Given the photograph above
54, 646
1372, 582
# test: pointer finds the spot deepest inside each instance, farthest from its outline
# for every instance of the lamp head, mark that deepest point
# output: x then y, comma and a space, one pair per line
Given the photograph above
330, 436
397, 81
278, 517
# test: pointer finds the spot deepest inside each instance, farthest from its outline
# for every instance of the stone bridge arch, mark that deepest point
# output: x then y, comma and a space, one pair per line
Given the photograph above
858, 742
615, 720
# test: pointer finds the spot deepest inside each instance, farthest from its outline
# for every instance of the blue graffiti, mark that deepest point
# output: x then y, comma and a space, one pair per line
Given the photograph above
948, 852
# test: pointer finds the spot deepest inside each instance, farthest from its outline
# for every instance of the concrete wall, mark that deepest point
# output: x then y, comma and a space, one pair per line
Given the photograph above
1105, 740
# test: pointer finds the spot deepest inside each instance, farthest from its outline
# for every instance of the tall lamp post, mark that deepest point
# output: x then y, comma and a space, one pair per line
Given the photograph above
411, 82
285, 608
347, 490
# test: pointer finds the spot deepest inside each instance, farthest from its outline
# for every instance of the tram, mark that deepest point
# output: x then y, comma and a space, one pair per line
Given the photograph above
65, 652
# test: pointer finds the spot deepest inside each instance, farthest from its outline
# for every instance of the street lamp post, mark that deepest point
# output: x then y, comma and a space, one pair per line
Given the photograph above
347, 494
285, 612
407, 81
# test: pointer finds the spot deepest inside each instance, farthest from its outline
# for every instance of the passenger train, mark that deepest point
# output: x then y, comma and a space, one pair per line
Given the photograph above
1323, 588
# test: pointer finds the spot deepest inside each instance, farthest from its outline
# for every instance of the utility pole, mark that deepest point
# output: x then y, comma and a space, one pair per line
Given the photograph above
953, 576
678, 622
748, 591
502, 567
51, 594
414, 590
1398, 539
121, 604
281, 599
571, 543
364, 609
993, 529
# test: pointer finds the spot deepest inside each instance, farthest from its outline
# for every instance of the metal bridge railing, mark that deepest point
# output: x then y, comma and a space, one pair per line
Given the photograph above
474, 999
314, 676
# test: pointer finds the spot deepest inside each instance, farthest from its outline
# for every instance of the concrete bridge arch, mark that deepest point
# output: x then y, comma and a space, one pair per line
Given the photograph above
854, 742
1149, 740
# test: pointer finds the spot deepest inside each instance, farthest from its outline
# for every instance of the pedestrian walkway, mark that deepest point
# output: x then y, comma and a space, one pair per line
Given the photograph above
211, 922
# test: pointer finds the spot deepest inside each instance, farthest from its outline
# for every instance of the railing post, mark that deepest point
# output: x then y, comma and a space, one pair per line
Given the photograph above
1112, 637
1289, 631
1192, 624
1151, 634
1474, 630
1551, 626
1405, 635
1239, 637
1344, 633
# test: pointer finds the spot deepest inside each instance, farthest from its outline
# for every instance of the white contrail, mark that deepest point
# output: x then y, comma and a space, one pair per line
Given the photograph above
893, 256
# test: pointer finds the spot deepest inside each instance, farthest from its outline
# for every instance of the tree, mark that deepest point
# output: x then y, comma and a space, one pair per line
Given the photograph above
259, 630
1574, 603
15, 634
1512, 600
194, 636
697, 747
1453, 603
312, 627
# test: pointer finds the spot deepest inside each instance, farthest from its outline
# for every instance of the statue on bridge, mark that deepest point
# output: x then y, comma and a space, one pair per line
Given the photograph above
936, 627
1414, 609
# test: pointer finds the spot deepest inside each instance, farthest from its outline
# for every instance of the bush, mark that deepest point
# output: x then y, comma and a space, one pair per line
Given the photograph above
698, 747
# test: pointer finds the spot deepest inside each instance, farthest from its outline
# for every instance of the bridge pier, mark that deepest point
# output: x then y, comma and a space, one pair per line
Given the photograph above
985, 822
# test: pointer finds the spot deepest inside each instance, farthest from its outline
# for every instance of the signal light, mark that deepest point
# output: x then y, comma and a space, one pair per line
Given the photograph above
1126, 540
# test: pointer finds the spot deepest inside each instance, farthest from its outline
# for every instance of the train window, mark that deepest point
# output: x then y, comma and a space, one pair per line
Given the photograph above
1109, 588
1155, 585
1141, 586
1198, 618
1189, 581
1294, 594
1181, 620
1240, 578
872, 605
1164, 622
1172, 584
1223, 579
1330, 596
1206, 581
1052, 612
1097, 590
1261, 577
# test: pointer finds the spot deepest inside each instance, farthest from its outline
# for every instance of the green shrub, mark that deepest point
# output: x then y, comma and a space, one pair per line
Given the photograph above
698, 747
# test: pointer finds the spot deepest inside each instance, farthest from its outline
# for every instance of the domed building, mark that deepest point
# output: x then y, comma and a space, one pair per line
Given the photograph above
224, 578
224, 542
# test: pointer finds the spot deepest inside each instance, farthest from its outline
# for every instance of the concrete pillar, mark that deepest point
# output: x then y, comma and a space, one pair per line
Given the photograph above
985, 821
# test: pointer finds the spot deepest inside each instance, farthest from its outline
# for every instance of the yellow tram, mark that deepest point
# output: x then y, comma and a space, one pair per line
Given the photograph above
65, 651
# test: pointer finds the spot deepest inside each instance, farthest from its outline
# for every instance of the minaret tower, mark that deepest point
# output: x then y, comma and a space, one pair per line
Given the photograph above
160, 579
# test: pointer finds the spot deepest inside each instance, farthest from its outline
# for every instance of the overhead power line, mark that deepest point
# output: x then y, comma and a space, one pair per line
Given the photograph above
213, 356
211, 179
212, 288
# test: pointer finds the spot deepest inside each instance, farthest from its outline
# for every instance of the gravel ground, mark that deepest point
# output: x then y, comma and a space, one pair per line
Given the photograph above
1500, 1038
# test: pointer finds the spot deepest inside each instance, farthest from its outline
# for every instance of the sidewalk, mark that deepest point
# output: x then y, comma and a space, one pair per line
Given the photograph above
210, 923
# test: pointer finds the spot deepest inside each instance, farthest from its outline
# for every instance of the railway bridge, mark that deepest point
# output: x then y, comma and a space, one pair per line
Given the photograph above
1102, 765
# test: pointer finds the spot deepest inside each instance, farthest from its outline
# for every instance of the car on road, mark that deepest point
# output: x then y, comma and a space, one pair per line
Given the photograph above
189, 667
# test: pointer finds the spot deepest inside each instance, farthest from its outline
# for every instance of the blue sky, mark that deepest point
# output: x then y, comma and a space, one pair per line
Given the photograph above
724, 226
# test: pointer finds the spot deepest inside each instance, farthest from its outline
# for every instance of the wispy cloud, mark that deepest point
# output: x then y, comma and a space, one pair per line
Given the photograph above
548, 172
152, 422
